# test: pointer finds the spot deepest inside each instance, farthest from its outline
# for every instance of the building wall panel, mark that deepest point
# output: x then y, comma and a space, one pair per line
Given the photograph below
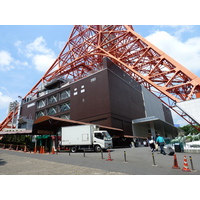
90, 98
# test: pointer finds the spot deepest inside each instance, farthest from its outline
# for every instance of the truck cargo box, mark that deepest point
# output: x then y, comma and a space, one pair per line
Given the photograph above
77, 135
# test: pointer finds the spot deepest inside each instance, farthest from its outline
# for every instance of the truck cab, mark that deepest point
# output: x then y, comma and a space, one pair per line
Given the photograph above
102, 140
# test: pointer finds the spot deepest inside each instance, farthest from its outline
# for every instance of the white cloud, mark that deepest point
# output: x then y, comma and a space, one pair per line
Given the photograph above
5, 61
60, 44
179, 30
183, 29
19, 44
41, 56
4, 101
39, 46
186, 53
43, 62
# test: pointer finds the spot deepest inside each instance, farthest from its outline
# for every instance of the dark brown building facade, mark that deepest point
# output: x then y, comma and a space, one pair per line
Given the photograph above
107, 97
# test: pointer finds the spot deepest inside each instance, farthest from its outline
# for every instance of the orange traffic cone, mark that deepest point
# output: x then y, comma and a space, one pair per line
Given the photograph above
35, 150
53, 150
185, 165
40, 149
109, 156
25, 149
175, 163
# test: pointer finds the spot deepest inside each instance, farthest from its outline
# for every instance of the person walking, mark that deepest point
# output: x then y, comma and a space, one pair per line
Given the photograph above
161, 142
152, 144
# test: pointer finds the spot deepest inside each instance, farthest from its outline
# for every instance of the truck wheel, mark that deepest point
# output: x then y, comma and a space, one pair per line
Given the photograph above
97, 148
73, 149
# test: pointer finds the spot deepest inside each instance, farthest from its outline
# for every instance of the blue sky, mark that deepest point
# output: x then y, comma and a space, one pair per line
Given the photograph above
27, 51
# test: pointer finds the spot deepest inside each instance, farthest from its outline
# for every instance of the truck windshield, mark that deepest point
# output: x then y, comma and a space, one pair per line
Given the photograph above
106, 135
103, 135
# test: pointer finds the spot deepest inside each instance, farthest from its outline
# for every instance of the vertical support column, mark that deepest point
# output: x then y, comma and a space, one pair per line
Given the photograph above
163, 131
153, 133
133, 129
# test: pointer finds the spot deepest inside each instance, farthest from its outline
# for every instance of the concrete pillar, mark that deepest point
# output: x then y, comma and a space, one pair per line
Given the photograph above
153, 133
163, 131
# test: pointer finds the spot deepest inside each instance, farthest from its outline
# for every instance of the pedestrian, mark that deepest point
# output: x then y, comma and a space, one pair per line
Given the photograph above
59, 144
152, 144
161, 142
145, 143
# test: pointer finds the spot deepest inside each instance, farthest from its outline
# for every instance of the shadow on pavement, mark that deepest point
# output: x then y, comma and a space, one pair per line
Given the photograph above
2, 162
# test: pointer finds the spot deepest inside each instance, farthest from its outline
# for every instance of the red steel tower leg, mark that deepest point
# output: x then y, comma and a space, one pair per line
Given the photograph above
9, 119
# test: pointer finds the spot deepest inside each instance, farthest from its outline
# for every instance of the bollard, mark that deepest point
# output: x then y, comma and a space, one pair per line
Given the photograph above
84, 153
101, 154
154, 164
192, 164
125, 156
69, 152
57, 151
10, 147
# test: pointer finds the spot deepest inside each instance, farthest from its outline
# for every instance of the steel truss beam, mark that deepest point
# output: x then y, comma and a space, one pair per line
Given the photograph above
9, 119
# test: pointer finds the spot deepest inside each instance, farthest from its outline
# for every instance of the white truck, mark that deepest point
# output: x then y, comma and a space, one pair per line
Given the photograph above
85, 137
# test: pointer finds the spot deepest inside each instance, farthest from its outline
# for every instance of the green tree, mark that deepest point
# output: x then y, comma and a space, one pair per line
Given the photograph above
189, 129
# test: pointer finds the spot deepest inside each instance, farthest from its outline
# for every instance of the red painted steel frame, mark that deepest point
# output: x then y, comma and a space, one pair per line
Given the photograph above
8, 119
148, 65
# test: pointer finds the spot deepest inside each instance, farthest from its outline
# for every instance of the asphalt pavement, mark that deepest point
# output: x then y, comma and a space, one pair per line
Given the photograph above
120, 161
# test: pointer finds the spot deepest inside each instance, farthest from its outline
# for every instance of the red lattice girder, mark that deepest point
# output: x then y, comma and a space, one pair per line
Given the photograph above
9, 119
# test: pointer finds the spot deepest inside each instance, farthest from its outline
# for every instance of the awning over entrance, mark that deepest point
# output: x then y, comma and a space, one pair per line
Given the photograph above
48, 125
153, 125
24, 132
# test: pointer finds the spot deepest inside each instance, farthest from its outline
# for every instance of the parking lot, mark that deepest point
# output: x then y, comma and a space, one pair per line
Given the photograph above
121, 161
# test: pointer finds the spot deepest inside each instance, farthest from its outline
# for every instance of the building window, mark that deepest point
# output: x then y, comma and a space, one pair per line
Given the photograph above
65, 94
41, 104
65, 107
67, 116
82, 90
24, 125
51, 111
52, 99
40, 114
93, 79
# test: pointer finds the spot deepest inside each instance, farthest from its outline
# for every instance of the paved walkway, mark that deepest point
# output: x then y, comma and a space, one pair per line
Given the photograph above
139, 162
20, 165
